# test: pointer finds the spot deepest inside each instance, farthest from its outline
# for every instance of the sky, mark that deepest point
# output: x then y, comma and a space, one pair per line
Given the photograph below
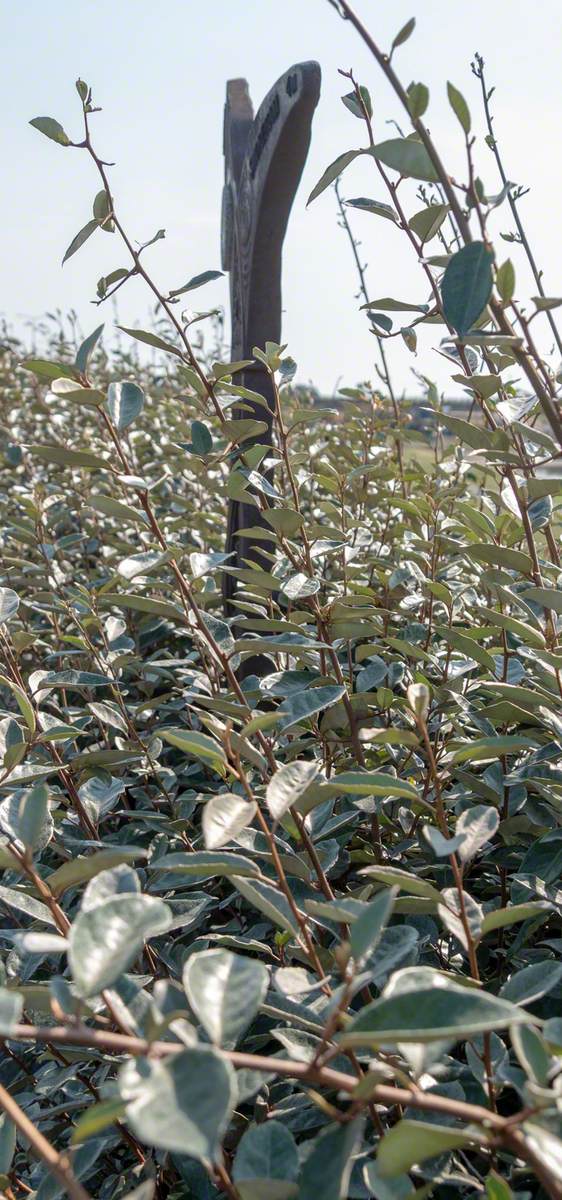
160, 70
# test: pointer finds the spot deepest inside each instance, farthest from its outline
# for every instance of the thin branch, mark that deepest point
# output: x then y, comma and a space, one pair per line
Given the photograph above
478, 70
385, 372
522, 356
57, 1164
504, 1131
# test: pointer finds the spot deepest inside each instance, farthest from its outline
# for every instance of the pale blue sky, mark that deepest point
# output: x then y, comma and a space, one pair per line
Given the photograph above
159, 70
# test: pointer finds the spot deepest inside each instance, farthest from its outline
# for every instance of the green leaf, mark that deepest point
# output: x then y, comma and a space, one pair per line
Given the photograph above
532, 637
336, 910
497, 1188
545, 1146
288, 785
544, 597
532, 1052
266, 1166
107, 281
206, 564
9, 604
367, 929
411, 1142
143, 564
403, 34
532, 982
113, 508
125, 402
96, 1118
381, 320
68, 389
327, 1168
86, 349
407, 156
225, 992
429, 1013
25, 816
428, 221
450, 912
418, 99
389, 304
390, 737
205, 863
221, 370
159, 608
183, 1104
540, 512
201, 438
7, 1143
224, 817
484, 385
195, 745
459, 107
397, 1188
300, 586
405, 880
52, 129
473, 435
11, 1007
505, 280
467, 646
284, 520
352, 102
305, 704
475, 827
545, 303
490, 748
242, 429
269, 901
81, 237
197, 281
151, 339
501, 556
102, 208
104, 941
50, 370
371, 783
79, 870
70, 458
441, 846
376, 207
500, 917
34, 826
333, 172
467, 286
24, 704
72, 679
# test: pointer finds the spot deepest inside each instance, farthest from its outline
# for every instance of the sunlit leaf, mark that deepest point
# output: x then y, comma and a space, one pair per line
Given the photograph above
225, 992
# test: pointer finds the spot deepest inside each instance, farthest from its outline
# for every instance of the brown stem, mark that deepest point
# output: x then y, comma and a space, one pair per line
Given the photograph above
458, 877
537, 275
385, 372
521, 355
505, 1132
57, 1164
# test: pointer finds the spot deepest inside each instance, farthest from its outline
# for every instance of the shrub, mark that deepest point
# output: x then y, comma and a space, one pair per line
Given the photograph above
294, 934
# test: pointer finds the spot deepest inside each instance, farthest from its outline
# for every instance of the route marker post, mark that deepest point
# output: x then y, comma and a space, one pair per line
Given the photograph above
264, 157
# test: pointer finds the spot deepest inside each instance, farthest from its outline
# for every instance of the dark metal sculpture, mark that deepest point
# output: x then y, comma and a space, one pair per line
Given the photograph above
264, 159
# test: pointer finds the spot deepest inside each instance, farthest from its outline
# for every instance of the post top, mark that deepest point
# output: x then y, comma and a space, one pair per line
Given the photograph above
280, 130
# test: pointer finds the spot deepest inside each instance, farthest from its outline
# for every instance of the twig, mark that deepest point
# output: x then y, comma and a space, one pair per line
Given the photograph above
478, 70
503, 1130
57, 1164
